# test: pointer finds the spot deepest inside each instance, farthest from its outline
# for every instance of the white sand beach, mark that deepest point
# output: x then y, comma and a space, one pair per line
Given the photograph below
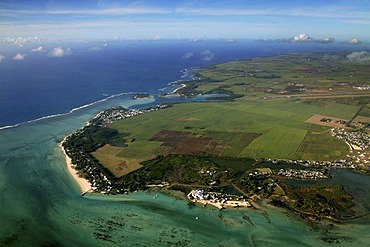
177, 89
85, 185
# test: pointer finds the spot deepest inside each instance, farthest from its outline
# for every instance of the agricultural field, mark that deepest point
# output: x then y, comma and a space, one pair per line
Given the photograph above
318, 144
109, 156
327, 121
263, 129
280, 142
277, 95
365, 111
290, 74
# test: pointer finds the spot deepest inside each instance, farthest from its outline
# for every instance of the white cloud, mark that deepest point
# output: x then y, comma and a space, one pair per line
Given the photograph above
19, 56
60, 52
359, 56
207, 55
38, 49
303, 37
2, 58
187, 55
353, 41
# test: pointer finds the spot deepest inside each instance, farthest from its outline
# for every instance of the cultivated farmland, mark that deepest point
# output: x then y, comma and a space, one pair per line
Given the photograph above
268, 120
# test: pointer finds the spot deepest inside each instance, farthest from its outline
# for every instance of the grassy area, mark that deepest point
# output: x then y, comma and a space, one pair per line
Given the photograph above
365, 111
302, 74
110, 158
278, 125
320, 145
340, 110
280, 142
280, 93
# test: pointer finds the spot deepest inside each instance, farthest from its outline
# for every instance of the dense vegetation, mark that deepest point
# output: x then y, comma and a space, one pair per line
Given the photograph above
328, 201
180, 170
94, 137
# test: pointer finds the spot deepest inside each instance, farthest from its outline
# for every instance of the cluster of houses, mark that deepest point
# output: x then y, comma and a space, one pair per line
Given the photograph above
197, 195
218, 199
356, 140
260, 172
359, 142
364, 87
342, 163
300, 174
118, 113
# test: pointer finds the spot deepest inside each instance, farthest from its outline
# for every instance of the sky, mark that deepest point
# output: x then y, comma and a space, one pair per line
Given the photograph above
180, 19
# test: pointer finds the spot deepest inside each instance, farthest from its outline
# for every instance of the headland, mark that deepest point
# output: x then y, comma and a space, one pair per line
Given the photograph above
289, 117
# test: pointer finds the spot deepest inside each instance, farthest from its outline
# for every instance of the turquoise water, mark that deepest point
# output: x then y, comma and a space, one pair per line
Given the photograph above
41, 204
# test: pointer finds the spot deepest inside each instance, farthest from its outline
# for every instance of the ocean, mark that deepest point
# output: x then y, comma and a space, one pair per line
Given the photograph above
43, 99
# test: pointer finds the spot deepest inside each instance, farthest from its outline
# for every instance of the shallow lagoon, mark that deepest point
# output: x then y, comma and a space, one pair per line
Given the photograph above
41, 204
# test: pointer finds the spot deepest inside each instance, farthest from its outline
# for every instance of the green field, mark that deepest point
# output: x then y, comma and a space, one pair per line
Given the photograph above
287, 74
320, 145
267, 121
280, 123
279, 142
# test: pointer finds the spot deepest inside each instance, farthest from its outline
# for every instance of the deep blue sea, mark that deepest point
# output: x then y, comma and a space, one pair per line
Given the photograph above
40, 203
40, 85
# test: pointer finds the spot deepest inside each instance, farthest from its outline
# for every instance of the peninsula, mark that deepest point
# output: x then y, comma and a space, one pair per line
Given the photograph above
283, 118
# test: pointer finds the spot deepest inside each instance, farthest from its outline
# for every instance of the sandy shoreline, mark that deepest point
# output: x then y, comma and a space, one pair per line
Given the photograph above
84, 185
177, 89
227, 204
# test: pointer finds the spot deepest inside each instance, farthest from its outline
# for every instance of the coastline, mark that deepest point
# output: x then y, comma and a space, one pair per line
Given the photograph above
177, 89
227, 204
84, 185
174, 93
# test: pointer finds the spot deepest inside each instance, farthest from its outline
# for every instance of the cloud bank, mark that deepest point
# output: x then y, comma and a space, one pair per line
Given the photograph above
303, 37
19, 56
2, 58
359, 56
21, 40
60, 52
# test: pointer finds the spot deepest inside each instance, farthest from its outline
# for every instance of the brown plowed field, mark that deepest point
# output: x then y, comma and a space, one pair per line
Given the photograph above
187, 143
315, 119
